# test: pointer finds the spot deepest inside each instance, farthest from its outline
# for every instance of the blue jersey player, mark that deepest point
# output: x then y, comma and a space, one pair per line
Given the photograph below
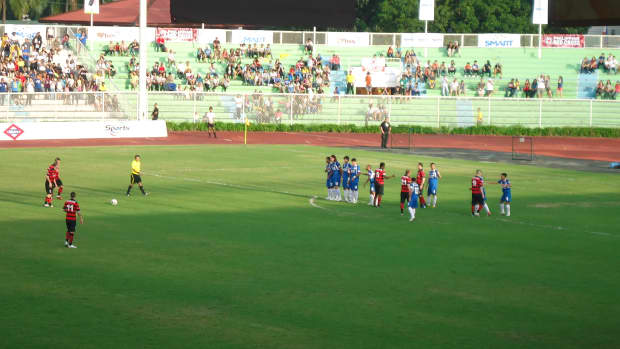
484, 195
346, 166
328, 182
354, 180
371, 179
506, 194
336, 176
414, 193
433, 183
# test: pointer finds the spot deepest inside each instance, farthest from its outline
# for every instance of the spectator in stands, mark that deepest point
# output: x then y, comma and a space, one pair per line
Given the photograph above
611, 64
548, 86
309, 47
454, 88
171, 59
517, 86
368, 83
540, 86
600, 89
4, 88
489, 88
616, 90
486, 69
468, 69
443, 70
65, 41
155, 113
390, 52
475, 68
445, 87
609, 90
601, 60
480, 90
82, 37
510, 89
497, 70
415, 91
452, 69
160, 44
432, 80
335, 62
462, 88
134, 48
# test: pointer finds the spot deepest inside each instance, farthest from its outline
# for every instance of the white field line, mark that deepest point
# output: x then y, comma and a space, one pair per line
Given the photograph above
312, 202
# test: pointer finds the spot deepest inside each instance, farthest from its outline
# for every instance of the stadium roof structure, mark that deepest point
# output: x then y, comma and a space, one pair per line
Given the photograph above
121, 13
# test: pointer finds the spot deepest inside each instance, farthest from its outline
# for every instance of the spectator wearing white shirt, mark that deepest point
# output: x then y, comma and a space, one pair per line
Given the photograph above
209, 118
238, 106
541, 86
489, 88
445, 87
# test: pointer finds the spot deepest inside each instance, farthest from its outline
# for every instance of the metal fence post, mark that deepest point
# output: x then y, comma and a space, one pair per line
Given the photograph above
591, 104
540, 113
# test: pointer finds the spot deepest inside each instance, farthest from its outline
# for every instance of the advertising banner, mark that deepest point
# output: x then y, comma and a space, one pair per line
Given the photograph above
499, 40
389, 77
176, 34
21, 32
427, 10
373, 64
207, 36
563, 40
118, 34
421, 40
81, 130
252, 37
347, 39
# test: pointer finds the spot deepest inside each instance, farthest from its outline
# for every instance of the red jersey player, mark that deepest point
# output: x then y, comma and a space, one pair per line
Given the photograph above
50, 183
405, 183
72, 209
477, 195
58, 181
380, 178
421, 179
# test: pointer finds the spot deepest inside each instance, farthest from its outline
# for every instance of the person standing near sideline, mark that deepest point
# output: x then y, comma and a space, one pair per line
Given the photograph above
210, 120
155, 113
385, 128
135, 176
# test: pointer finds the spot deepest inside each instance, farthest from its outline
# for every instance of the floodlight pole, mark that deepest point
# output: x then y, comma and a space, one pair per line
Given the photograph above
540, 41
142, 98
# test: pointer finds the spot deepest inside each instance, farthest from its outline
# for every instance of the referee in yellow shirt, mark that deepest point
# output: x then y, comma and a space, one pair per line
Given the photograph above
350, 82
136, 165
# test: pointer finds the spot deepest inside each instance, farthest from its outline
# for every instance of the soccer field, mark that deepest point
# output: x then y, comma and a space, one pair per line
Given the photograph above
230, 250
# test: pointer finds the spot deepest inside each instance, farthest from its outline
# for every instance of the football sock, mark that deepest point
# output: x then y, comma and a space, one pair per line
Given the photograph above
501, 208
60, 190
412, 212
128, 189
67, 234
402, 206
70, 238
142, 190
379, 200
508, 209
473, 209
372, 199
477, 208
486, 208
434, 200
429, 199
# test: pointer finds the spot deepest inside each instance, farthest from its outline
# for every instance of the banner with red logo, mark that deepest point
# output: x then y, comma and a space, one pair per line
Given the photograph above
177, 34
564, 40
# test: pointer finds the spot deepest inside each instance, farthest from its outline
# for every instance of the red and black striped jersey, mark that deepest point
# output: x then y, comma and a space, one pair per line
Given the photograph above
379, 176
52, 173
405, 182
420, 177
476, 185
71, 207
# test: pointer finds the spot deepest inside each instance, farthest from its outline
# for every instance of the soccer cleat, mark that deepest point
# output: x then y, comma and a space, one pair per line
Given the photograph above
477, 214
58, 197
411, 219
146, 194
72, 246
128, 195
488, 214
46, 205
507, 214
402, 214
66, 244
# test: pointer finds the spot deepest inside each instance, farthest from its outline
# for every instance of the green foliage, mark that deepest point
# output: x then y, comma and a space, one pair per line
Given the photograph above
474, 130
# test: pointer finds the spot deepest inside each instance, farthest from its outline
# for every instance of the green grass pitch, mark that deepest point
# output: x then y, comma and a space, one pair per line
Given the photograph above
228, 252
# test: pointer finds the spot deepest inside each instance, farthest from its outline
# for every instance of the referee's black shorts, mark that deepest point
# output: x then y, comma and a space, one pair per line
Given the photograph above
404, 197
477, 199
135, 179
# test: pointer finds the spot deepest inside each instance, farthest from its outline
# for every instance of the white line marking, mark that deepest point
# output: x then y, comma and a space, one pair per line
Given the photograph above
314, 204
600, 233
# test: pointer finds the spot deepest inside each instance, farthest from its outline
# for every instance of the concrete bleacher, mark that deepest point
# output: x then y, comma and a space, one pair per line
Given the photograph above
521, 63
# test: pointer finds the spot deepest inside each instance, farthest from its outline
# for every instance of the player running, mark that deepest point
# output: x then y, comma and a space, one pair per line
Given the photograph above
345, 177
336, 177
433, 183
405, 185
506, 194
71, 208
354, 180
135, 176
371, 179
380, 178
421, 180
414, 192
477, 195
51, 178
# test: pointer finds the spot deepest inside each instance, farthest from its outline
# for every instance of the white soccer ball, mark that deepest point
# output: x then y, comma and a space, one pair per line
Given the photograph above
114, 202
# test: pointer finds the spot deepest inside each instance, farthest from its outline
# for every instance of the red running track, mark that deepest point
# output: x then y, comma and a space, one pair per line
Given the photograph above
601, 149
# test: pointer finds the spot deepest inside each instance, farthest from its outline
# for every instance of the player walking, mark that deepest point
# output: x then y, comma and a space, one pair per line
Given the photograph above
506, 194
380, 178
210, 119
354, 180
51, 176
421, 180
58, 180
346, 166
405, 185
477, 195
71, 208
335, 179
135, 176
433, 183
414, 192
371, 179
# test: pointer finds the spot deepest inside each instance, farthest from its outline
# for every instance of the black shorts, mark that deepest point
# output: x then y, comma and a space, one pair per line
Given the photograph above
71, 225
477, 199
49, 187
378, 189
134, 178
210, 125
404, 197
58, 183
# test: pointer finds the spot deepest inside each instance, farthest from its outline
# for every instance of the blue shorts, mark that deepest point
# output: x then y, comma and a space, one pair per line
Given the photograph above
506, 198
413, 203
335, 181
432, 189
353, 185
328, 183
345, 182
372, 187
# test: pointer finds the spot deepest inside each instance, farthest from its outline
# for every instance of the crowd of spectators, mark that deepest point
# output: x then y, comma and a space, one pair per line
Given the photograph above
608, 64
27, 66
607, 90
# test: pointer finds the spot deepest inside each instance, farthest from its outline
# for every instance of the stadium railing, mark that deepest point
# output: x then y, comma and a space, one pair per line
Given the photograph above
321, 109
